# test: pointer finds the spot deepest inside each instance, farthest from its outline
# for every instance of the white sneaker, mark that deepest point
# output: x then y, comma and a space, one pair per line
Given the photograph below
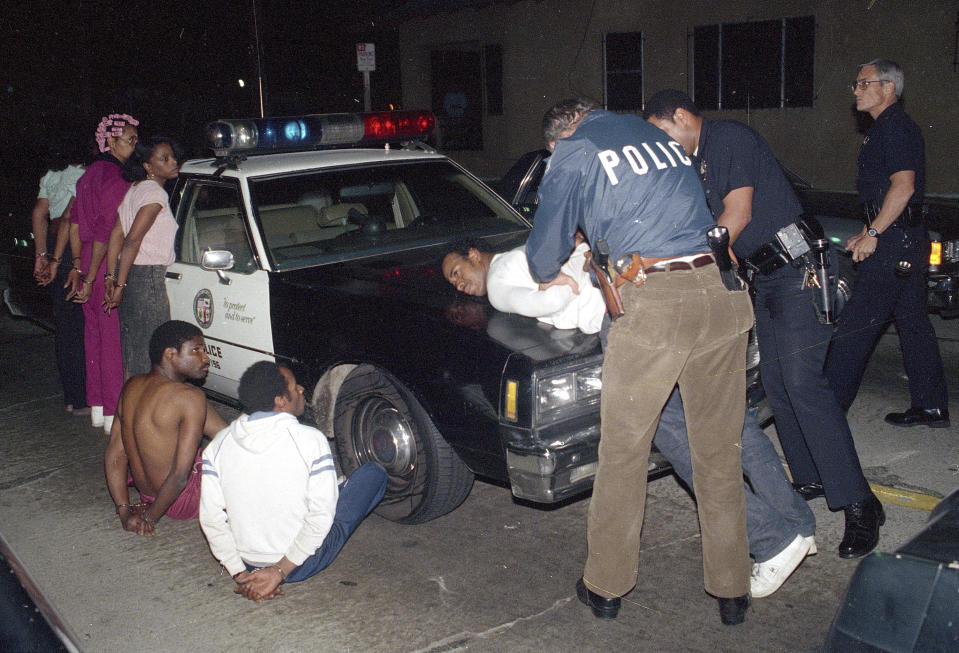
767, 577
107, 423
812, 545
96, 415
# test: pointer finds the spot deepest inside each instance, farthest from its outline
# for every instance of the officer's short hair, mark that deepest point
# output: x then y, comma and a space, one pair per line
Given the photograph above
664, 104
565, 115
259, 385
170, 334
888, 71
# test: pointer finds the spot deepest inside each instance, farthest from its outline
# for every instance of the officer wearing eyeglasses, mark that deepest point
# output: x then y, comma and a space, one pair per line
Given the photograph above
892, 250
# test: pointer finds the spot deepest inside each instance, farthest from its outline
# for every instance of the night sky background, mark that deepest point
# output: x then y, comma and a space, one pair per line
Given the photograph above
174, 66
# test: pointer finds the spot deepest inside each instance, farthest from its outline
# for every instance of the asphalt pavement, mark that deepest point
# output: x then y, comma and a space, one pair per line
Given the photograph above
494, 575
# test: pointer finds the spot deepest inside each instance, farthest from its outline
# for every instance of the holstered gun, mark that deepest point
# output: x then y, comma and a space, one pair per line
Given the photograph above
598, 262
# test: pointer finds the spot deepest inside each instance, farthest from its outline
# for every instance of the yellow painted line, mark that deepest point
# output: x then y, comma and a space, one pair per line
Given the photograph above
905, 498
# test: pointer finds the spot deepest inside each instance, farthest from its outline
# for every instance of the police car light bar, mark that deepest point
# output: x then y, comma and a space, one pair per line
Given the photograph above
316, 131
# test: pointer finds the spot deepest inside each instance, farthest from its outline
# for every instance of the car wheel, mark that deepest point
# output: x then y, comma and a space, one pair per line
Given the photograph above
375, 420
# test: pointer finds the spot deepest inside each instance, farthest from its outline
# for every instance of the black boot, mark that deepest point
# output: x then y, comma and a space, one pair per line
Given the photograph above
733, 611
602, 607
937, 418
863, 520
809, 491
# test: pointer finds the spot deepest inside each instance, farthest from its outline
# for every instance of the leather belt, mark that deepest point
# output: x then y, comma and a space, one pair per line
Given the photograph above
636, 270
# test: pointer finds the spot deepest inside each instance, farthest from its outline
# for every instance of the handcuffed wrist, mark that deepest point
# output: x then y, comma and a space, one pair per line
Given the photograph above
280, 569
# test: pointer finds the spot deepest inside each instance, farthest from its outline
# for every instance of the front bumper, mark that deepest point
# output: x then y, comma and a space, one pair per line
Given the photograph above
943, 291
560, 461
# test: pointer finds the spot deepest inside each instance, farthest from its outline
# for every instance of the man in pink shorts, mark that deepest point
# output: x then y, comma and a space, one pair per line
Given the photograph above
155, 439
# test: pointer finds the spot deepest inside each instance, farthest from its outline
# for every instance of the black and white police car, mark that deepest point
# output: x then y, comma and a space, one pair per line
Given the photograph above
317, 242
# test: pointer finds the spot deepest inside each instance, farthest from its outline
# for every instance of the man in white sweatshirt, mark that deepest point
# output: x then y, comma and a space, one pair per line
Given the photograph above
270, 506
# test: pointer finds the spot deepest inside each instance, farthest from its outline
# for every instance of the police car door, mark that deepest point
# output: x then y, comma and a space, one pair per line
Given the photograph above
231, 307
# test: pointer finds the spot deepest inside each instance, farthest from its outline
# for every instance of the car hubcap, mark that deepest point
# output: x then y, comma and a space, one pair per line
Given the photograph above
383, 435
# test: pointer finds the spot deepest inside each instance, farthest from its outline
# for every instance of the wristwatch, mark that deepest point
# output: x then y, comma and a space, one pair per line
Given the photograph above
872, 232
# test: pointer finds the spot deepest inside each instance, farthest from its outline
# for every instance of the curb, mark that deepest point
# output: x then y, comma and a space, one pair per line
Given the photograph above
905, 498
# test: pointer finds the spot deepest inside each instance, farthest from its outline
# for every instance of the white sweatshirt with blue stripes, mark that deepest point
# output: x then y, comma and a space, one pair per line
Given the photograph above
268, 490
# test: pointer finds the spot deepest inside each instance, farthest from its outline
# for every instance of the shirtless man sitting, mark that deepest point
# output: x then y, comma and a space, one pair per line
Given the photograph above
156, 436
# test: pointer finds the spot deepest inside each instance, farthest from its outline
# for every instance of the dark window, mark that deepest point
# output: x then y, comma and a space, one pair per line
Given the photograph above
624, 71
493, 54
458, 98
800, 36
755, 65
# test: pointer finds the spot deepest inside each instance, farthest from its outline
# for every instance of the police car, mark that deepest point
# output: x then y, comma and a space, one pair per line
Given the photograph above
317, 242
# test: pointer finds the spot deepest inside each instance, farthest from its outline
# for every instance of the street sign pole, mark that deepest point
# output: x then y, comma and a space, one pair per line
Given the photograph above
366, 91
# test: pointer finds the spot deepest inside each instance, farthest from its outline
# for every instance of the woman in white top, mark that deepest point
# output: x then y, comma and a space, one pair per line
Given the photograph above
141, 248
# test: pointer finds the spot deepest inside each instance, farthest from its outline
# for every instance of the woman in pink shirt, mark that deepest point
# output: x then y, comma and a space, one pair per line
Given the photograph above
99, 192
141, 248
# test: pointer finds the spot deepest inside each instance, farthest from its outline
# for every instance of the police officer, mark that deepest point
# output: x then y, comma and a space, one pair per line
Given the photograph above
892, 251
749, 195
623, 182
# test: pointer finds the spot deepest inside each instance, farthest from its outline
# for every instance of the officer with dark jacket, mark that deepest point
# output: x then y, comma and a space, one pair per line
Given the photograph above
749, 195
892, 251
625, 184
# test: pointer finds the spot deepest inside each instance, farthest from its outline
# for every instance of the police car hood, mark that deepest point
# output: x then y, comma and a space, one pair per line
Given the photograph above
405, 294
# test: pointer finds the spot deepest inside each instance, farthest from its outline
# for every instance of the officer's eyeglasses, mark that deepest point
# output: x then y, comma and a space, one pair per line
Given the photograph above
862, 84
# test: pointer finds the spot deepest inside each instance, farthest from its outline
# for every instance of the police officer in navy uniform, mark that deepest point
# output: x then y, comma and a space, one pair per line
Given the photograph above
892, 251
749, 195
627, 185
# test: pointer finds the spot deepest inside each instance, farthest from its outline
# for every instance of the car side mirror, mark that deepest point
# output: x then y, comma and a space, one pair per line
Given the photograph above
219, 260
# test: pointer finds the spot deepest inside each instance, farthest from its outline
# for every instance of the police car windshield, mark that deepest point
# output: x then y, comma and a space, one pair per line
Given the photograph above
334, 215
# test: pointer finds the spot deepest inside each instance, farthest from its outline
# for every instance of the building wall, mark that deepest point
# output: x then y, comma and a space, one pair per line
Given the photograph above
552, 49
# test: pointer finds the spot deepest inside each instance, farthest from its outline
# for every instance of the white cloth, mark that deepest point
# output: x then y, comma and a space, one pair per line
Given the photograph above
268, 490
156, 248
511, 289
58, 187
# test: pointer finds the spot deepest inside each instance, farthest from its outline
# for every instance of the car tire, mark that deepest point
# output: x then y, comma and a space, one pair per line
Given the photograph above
376, 420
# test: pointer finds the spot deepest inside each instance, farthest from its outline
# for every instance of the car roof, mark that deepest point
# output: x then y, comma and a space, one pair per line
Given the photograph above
269, 164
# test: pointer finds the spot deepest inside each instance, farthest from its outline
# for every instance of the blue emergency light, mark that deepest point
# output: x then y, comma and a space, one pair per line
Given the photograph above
316, 131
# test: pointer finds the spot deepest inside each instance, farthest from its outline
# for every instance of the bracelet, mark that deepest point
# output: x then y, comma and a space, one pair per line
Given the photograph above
120, 285
282, 574
41, 255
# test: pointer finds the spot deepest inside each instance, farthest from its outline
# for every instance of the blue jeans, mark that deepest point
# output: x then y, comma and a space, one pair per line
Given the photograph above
775, 513
359, 494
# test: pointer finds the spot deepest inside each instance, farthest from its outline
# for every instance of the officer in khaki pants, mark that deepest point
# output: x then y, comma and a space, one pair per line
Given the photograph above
624, 182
